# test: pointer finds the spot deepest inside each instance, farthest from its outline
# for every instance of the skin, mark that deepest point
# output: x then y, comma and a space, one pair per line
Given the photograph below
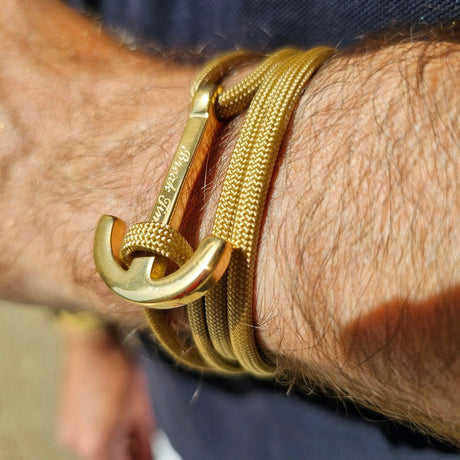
364, 208
373, 296
104, 411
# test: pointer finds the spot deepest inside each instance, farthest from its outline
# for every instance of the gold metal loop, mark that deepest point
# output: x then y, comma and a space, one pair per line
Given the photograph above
143, 281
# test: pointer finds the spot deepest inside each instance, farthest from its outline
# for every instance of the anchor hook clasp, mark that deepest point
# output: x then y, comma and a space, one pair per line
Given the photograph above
143, 281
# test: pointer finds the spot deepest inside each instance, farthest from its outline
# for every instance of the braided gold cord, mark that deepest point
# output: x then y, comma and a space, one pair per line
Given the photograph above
277, 110
219, 67
156, 238
222, 323
241, 205
198, 326
216, 300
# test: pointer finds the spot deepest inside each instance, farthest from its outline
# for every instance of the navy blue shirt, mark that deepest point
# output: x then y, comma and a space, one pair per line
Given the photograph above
215, 25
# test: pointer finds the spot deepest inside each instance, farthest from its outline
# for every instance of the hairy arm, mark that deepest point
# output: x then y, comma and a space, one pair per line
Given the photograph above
369, 235
362, 296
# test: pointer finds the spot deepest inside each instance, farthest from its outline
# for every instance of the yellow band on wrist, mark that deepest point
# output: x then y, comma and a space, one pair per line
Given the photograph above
219, 302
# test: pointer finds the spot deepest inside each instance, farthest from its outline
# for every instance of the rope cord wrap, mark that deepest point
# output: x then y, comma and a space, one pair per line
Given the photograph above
221, 324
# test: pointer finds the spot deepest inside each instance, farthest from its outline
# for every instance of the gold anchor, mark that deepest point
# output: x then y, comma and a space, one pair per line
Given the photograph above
144, 282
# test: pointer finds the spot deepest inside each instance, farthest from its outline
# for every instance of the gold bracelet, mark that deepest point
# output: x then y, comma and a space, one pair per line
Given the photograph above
222, 267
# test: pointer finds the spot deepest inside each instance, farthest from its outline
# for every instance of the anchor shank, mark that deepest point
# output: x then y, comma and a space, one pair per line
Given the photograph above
188, 160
